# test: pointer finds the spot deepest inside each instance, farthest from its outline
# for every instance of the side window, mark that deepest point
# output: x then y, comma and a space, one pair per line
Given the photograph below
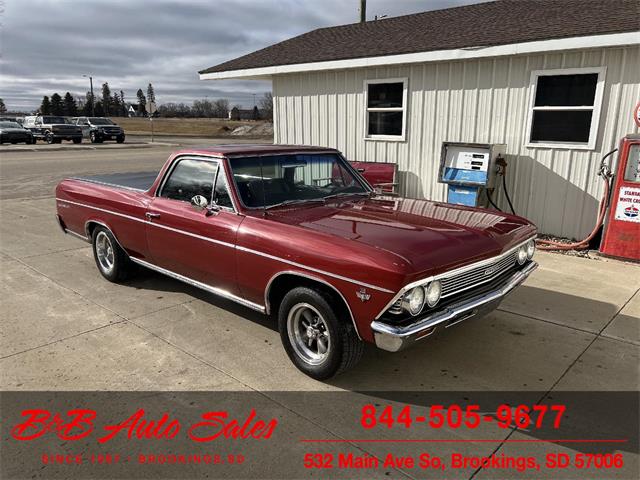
565, 107
190, 178
221, 195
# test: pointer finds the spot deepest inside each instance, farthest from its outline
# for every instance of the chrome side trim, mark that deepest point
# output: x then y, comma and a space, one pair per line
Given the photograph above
102, 224
450, 273
81, 237
208, 288
311, 269
230, 245
394, 338
310, 277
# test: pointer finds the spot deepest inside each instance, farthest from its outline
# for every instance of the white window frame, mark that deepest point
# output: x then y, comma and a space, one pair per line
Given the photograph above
403, 109
595, 117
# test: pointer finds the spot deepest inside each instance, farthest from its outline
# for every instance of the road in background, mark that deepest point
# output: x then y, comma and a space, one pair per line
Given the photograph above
33, 172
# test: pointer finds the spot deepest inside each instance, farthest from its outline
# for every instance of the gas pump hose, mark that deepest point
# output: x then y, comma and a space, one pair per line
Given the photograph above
605, 173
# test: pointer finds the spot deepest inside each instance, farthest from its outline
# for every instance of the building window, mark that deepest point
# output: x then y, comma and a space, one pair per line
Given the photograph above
565, 107
386, 102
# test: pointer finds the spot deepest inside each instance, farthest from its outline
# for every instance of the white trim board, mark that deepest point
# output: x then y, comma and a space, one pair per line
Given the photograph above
572, 43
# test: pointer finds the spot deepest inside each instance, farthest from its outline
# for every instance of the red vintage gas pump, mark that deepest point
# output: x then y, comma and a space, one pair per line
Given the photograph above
621, 234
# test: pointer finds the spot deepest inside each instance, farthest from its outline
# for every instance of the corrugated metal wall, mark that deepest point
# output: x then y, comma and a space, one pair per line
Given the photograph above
483, 101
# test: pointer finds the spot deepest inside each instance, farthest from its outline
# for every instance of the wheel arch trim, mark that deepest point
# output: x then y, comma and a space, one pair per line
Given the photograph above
90, 222
313, 278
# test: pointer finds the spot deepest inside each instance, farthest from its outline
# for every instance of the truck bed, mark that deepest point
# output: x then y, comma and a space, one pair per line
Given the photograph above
141, 181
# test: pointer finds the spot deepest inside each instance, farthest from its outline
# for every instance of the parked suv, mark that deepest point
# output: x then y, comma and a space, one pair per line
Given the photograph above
99, 129
52, 129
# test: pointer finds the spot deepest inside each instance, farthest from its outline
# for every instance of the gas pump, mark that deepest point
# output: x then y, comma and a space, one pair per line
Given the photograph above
621, 234
470, 171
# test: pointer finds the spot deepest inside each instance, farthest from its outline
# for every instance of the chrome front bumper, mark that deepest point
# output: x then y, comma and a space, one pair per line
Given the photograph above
394, 338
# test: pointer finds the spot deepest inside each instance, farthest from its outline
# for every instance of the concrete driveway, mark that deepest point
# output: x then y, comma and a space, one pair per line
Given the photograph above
575, 324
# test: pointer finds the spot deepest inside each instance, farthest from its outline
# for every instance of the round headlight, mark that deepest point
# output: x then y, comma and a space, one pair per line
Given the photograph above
522, 255
434, 290
531, 249
413, 300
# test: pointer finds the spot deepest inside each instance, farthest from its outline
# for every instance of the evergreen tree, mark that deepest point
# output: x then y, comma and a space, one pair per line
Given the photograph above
124, 105
3, 108
151, 95
116, 105
142, 102
106, 99
99, 109
45, 106
70, 106
57, 108
86, 110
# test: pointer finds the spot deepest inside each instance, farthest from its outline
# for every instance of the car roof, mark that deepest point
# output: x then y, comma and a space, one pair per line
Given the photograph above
232, 150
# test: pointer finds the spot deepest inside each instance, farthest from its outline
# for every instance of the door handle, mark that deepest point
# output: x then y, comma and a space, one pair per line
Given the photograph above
150, 215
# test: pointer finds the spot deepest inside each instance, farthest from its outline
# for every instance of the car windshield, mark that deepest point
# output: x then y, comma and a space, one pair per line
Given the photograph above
10, 125
298, 178
100, 121
51, 120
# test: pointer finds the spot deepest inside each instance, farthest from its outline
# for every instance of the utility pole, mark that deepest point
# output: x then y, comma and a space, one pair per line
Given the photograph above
93, 100
363, 11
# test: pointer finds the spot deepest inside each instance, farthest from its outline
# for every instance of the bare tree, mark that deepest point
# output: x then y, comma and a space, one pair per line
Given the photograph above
266, 106
221, 108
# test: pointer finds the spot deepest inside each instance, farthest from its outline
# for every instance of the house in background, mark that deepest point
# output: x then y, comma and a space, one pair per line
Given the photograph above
244, 114
554, 80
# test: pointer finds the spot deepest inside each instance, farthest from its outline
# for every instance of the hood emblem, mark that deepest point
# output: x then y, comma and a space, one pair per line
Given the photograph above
489, 271
363, 295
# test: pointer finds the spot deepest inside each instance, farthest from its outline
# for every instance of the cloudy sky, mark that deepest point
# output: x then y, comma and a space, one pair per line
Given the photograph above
48, 45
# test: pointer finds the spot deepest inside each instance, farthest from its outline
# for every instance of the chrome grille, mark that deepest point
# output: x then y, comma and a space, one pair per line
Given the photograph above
477, 276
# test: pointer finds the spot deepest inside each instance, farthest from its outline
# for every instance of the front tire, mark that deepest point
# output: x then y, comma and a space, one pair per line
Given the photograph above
318, 343
111, 260
49, 138
95, 138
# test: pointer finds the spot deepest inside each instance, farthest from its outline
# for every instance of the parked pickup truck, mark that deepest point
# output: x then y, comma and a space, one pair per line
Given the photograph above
297, 232
52, 129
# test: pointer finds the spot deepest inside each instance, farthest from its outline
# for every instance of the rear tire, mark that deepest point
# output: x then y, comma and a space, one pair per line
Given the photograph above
120, 139
112, 261
77, 140
49, 138
318, 343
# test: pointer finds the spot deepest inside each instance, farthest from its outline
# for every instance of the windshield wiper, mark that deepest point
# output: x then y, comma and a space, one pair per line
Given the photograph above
294, 202
345, 194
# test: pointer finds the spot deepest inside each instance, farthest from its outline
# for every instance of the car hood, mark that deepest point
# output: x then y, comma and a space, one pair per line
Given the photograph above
428, 236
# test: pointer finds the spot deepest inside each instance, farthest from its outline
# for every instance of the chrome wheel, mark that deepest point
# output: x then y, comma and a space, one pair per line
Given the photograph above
104, 252
308, 333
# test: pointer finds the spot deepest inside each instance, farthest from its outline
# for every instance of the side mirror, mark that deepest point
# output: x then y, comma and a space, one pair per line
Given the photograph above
199, 202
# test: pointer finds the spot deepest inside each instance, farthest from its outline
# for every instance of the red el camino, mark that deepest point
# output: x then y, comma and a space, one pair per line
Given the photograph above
297, 232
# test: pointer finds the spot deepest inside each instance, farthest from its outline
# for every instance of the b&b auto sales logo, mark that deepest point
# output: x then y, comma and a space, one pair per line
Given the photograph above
79, 424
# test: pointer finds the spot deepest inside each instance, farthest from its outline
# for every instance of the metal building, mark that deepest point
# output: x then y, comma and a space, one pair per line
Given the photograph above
555, 80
